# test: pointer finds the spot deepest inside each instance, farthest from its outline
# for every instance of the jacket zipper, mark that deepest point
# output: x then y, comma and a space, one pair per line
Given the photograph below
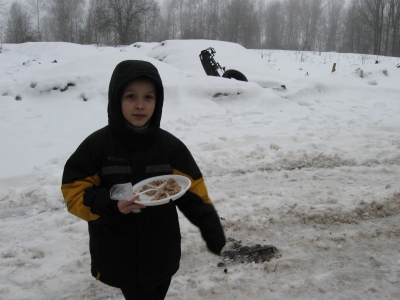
137, 231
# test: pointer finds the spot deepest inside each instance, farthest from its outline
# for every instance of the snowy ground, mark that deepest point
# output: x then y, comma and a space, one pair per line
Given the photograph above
313, 169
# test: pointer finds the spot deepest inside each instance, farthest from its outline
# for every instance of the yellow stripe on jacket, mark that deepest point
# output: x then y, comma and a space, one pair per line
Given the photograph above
73, 197
197, 187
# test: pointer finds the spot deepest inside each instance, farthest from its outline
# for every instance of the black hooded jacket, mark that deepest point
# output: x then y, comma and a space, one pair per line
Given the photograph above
136, 250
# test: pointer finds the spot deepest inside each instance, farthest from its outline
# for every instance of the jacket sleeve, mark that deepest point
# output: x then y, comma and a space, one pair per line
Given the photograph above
196, 204
81, 186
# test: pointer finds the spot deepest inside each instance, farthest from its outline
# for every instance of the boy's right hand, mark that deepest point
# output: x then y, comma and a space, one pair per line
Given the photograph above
126, 207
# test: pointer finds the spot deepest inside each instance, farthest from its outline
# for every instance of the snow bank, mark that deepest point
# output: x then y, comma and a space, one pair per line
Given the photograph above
312, 169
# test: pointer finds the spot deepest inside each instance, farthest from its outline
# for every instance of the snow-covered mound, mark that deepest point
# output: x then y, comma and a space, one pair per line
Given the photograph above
184, 55
312, 169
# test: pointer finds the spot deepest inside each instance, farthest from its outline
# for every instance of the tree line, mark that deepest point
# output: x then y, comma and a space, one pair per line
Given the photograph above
361, 26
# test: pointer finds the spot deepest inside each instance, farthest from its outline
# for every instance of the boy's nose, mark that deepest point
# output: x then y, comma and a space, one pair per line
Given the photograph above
140, 104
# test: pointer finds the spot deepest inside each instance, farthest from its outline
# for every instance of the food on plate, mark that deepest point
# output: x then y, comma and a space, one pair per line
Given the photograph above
149, 193
171, 188
157, 182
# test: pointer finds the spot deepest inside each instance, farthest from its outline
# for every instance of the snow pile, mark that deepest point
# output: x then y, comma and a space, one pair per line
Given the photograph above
312, 168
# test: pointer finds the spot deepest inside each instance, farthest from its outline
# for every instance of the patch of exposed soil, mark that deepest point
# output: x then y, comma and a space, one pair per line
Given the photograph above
247, 254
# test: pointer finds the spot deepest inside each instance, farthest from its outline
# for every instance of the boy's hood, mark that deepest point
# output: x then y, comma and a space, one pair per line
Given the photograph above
124, 73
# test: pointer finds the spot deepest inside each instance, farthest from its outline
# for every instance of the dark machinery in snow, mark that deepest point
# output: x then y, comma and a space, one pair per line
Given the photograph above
213, 68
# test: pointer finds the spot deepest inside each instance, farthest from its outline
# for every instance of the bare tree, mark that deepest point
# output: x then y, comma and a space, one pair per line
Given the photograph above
372, 14
274, 25
310, 21
251, 24
292, 24
351, 28
257, 36
167, 25
229, 25
195, 15
392, 41
19, 28
333, 15
149, 23
36, 8
237, 22
66, 19
365, 26
187, 18
2, 24
98, 29
373, 26
212, 19
125, 17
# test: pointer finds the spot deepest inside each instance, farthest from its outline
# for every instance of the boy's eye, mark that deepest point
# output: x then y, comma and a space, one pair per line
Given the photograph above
134, 96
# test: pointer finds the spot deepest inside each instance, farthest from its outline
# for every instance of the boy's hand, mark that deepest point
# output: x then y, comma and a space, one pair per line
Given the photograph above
126, 207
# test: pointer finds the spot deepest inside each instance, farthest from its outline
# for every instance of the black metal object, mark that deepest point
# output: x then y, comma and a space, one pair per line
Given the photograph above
212, 68
234, 74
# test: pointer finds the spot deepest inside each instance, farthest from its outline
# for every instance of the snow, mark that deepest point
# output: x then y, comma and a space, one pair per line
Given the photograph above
313, 169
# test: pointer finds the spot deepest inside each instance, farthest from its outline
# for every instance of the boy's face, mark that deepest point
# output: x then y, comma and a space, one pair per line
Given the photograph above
138, 102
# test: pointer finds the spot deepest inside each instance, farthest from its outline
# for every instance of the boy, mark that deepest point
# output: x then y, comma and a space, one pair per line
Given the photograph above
136, 252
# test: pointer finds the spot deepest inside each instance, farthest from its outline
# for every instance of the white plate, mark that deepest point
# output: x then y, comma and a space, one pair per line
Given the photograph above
183, 181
